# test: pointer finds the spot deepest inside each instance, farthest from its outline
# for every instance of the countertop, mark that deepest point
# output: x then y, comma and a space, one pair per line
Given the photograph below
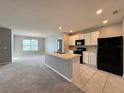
65, 56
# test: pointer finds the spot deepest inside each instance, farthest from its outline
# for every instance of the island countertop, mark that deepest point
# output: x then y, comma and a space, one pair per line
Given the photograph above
65, 56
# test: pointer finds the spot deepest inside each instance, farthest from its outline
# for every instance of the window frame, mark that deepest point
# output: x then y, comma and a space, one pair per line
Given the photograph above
30, 45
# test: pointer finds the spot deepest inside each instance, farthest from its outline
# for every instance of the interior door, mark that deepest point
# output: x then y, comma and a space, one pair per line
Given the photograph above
59, 45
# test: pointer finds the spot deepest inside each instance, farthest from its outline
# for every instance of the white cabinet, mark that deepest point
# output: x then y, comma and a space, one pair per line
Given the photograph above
76, 37
85, 57
90, 58
90, 38
81, 36
87, 38
93, 59
94, 37
70, 51
72, 39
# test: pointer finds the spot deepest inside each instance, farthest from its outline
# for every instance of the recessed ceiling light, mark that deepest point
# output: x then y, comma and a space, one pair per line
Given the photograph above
99, 11
105, 21
71, 31
60, 28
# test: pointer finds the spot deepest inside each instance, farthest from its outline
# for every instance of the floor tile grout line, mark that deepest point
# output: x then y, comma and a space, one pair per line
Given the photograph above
90, 79
105, 83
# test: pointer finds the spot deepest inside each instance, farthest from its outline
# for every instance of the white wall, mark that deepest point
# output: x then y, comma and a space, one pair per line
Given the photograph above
18, 46
111, 31
51, 43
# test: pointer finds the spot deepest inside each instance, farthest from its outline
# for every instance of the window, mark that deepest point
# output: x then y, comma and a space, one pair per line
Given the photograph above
30, 45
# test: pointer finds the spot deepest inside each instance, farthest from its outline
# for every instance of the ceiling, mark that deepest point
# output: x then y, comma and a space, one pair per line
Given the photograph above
43, 17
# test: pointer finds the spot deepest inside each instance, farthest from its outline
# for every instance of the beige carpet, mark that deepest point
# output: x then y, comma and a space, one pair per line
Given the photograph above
22, 77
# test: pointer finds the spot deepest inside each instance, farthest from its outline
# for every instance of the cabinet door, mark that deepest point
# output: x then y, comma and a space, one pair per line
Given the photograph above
94, 37
85, 57
72, 40
87, 38
81, 36
92, 59
70, 51
76, 37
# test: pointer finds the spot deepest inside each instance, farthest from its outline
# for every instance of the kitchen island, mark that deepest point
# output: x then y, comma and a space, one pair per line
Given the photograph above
66, 65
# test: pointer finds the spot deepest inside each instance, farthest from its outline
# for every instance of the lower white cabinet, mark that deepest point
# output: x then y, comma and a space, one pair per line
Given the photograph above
70, 51
72, 39
86, 57
90, 58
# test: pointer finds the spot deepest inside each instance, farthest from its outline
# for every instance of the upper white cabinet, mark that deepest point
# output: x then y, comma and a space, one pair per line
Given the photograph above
76, 37
87, 38
72, 39
90, 38
81, 36
94, 37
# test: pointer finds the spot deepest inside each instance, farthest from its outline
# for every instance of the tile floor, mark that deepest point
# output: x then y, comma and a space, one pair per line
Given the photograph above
92, 80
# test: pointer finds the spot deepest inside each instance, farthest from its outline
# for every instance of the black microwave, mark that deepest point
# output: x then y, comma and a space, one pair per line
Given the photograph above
79, 42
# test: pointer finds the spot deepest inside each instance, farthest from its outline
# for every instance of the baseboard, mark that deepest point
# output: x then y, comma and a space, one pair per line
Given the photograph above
58, 73
3, 63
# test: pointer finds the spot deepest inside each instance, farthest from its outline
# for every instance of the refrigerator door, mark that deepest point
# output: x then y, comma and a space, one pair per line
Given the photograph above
110, 55
102, 60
